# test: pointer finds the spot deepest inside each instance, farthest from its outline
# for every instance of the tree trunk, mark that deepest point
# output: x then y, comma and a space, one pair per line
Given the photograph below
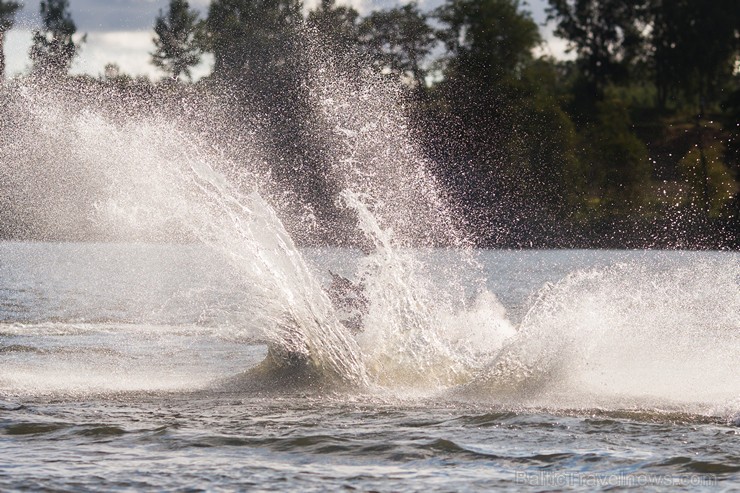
2, 56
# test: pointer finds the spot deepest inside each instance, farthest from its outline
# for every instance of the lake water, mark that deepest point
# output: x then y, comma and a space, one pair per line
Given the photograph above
125, 367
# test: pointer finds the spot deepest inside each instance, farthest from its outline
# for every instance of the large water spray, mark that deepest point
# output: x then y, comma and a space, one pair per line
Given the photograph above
84, 163
93, 166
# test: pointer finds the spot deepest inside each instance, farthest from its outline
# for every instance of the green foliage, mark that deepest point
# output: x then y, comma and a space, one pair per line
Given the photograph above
506, 105
694, 47
556, 175
606, 35
517, 140
252, 38
486, 40
399, 41
177, 47
259, 56
53, 46
620, 171
710, 183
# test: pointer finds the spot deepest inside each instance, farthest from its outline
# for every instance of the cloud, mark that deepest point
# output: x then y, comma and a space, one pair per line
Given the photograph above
108, 15
17, 44
130, 50
554, 47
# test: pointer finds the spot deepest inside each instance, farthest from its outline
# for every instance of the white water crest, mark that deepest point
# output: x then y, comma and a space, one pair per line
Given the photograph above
663, 332
415, 332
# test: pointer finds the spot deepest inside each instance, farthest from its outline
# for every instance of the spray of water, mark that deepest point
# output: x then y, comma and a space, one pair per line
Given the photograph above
79, 165
145, 175
387, 183
664, 333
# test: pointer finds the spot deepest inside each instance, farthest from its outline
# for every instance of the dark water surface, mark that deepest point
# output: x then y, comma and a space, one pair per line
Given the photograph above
226, 442
120, 370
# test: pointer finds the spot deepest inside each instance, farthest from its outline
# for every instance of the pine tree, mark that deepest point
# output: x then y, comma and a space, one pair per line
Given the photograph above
54, 48
176, 40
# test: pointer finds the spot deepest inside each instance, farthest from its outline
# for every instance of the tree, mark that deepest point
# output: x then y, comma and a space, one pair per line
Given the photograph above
261, 55
176, 43
710, 184
487, 39
53, 46
256, 51
337, 24
694, 47
606, 35
7, 19
252, 39
511, 148
399, 40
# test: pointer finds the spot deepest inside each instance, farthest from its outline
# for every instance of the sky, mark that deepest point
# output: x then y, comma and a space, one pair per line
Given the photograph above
120, 32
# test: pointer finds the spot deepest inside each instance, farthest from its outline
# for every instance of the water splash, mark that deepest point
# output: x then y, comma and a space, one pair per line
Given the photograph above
631, 335
150, 176
155, 177
414, 326
660, 334
388, 185
376, 155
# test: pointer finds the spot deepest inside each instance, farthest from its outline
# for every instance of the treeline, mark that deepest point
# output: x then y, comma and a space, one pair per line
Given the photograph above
634, 143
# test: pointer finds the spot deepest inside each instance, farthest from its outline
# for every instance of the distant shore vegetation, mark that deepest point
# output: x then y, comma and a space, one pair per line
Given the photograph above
634, 143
